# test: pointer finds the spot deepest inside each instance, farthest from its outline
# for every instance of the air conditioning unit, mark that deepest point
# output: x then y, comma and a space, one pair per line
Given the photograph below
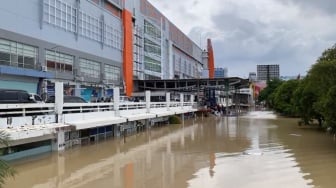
44, 69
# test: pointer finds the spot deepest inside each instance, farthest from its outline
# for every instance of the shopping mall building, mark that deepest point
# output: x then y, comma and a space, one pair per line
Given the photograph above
93, 46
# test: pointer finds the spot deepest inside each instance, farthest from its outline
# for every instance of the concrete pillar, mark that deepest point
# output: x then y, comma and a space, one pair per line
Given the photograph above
78, 90
148, 96
59, 143
181, 99
59, 101
168, 100
192, 98
147, 123
116, 100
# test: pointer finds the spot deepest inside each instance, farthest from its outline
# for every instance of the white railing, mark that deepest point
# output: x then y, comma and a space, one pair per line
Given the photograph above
86, 107
8, 110
158, 105
15, 110
131, 105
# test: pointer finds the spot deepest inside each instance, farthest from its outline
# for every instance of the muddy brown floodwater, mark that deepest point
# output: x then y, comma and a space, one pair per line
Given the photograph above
257, 150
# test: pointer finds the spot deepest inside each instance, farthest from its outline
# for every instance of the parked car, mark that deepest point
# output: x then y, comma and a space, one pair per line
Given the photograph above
67, 99
71, 99
10, 96
35, 97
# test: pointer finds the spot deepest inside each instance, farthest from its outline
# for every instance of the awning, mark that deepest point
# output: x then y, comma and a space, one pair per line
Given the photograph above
183, 111
85, 124
134, 117
165, 113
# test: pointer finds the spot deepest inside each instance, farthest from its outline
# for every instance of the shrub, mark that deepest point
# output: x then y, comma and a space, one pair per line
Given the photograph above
174, 120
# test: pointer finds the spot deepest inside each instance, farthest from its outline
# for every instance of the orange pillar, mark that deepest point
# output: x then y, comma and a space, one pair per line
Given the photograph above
129, 176
211, 60
128, 52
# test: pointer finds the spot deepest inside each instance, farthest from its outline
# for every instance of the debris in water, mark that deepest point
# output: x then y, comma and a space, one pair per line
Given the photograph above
295, 134
253, 153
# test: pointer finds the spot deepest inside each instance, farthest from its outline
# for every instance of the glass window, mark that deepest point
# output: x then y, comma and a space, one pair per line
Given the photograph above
89, 26
89, 68
112, 73
112, 37
60, 14
112, 8
152, 64
59, 61
17, 54
152, 48
152, 30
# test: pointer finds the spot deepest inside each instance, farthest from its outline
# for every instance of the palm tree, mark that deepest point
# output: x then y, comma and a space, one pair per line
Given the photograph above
5, 170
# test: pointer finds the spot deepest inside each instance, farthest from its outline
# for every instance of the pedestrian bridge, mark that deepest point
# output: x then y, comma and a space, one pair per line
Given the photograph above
51, 120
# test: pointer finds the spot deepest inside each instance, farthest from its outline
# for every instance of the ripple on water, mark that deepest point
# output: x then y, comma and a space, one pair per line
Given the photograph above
268, 166
260, 115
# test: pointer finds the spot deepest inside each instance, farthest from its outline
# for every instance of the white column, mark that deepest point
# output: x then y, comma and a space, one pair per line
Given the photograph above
116, 100
59, 100
59, 143
192, 98
181, 99
168, 100
78, 90
148, 95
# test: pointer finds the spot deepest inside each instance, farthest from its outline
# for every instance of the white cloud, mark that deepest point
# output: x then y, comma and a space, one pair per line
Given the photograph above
245, 33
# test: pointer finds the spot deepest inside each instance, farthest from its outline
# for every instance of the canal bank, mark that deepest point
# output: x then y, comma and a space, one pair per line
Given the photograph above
213, 152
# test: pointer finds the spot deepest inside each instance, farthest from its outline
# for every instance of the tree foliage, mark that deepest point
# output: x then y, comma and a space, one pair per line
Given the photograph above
5, 170
283, 98
313, 98
266, 94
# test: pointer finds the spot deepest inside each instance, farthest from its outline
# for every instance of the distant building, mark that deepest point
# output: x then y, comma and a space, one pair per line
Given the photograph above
253, 76
286, 78
268, 72
221, 72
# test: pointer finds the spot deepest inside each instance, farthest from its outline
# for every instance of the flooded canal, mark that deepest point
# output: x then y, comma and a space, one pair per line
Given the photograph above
253, 151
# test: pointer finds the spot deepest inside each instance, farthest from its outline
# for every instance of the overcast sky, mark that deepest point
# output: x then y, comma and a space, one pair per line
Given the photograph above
291, 33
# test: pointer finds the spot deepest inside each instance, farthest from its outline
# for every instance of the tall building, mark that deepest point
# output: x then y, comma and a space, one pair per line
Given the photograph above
221, 72
91, 45
268, 72
253, 76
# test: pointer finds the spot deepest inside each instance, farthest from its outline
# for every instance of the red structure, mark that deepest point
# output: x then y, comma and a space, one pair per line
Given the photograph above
211, 60
128, 52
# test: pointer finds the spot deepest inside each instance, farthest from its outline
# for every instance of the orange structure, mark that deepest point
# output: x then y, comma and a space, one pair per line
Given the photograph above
129, 176
211, 60
128, 52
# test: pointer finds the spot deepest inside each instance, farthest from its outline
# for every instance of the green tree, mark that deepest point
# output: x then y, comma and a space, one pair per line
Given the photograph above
5, 170
318, 87
303, 100
283, 98
329, 104
266, 94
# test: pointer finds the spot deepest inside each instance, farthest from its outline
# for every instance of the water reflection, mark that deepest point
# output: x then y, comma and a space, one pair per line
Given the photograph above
213, 152
264, 163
